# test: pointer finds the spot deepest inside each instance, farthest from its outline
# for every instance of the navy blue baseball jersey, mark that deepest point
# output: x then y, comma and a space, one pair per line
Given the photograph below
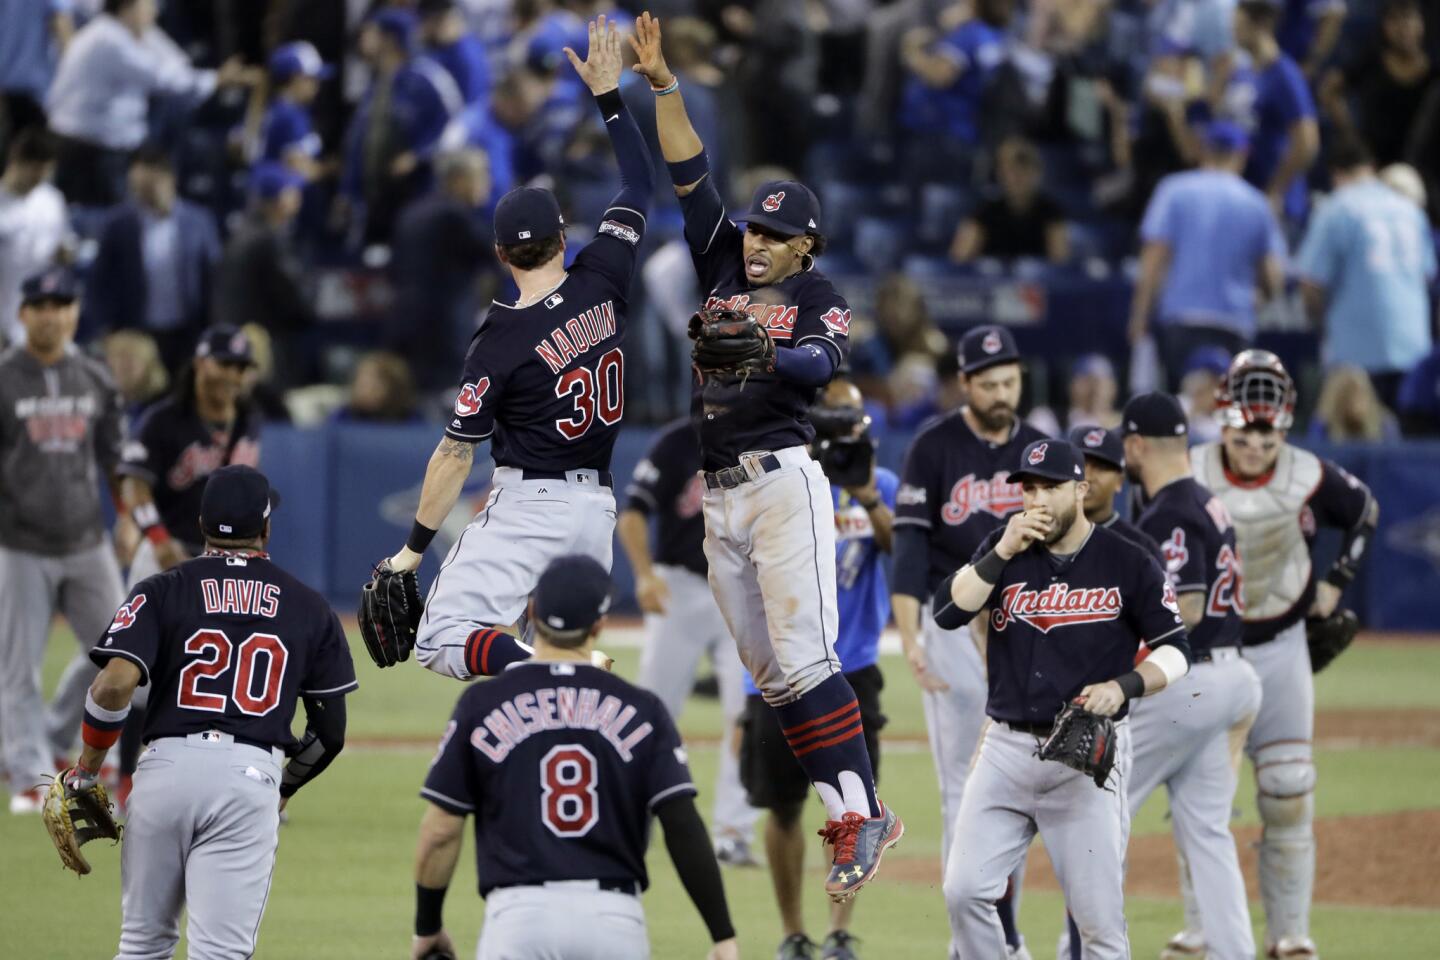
562, 765
228, 642
953, 486
174, 450
547, 380
1135, 535
763, 412
1058, 623
667, 483
1197, 541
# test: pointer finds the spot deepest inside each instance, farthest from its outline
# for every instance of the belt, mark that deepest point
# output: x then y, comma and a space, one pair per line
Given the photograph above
629, 887
217, 736
1034, 729
752, 469
606, 480
1216, 654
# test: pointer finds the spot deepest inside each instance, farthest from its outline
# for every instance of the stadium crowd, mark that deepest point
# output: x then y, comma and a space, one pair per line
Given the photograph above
324, 173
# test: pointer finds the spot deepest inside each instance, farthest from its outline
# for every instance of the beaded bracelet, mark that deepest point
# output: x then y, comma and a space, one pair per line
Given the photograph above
668, 89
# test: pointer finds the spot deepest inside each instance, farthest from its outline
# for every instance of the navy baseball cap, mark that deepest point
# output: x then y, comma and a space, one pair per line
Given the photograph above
52, 283
572, 594
226, 344
399, 24
1100, 444
987, 346
525, 214
1155, 415
298, 59
1226, 136
269, 180
235, 504
786, 207
1049, 460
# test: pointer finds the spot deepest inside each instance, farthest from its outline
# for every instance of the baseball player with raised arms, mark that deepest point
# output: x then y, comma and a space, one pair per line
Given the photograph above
60, 434
562, 764
228, 642
954, 493
1068, 603
769, 522
682, 622
1104, 452
544, 382
1279, 496
1182, 737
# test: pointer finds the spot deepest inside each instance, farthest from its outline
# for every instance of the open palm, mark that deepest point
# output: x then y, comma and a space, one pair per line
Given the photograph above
601, 67
649, 57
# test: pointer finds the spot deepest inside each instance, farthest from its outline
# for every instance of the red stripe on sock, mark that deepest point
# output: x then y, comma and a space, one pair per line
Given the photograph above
854, 731
485, 651
477, 647
827, 730
799, 727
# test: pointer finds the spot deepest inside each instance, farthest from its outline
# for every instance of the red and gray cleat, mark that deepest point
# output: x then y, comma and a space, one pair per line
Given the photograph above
858, 844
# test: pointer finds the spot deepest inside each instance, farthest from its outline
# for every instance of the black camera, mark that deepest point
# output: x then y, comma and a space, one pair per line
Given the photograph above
842, 445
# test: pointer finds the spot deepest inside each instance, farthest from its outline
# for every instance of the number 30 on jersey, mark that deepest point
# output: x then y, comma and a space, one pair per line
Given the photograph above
596, 394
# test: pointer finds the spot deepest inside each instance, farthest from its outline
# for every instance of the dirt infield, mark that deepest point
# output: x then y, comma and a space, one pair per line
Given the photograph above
1377, 728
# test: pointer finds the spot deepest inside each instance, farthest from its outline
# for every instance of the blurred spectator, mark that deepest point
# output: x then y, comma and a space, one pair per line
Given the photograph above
382, 391
35, 32
1390, 94
100, 97
1405, 180
259, 388
1419, 399
397, 125
902, 328
134, 362
1022, 220
1365, 271
1204, 372
1308, 31
1209, 240
261, 279
443, 251
1092, 393
1271, 99
287, 132
33, 228
1205, 28
777, 76
1349, 410
445, 39
490, 125
942, 101
1172, 93
155, 261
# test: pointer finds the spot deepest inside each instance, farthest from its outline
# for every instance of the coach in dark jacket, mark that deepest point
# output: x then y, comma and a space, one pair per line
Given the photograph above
154, 266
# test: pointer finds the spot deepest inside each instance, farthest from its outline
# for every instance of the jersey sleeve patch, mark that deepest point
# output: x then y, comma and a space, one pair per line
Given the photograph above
471, 397
620, 231
837, 321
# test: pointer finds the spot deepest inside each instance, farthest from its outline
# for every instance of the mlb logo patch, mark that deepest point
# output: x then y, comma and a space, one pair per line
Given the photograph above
553, 301
523, 234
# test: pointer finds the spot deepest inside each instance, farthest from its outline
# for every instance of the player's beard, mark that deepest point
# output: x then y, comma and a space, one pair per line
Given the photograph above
1062, 522
996, 417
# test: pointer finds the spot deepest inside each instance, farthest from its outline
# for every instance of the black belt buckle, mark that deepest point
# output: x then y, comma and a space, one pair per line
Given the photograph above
731, 477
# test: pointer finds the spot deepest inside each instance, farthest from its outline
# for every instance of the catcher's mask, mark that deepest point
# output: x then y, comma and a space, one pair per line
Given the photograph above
1257, 391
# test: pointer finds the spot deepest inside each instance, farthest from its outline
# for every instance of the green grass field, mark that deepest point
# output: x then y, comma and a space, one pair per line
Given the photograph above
342, 889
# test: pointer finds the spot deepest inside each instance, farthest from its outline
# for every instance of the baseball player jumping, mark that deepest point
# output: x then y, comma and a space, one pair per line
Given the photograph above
228, 641
772, 332
562, 765
59, 430
1279, 495
954, 494
1067, 603
682, 622
544, 381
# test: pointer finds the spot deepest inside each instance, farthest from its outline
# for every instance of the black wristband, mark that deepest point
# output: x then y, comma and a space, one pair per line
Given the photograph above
1132, 685
683, 172
420, 537
429, 905
610, 102
989, 567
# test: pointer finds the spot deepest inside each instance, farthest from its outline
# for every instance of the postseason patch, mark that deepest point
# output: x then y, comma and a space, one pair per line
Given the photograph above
620, 232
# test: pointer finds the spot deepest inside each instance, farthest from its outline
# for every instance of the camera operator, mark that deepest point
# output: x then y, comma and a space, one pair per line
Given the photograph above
864, 500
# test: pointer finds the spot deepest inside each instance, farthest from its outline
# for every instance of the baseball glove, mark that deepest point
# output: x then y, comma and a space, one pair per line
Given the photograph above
730, 343
390, 609
75, 816
1081, 740
1328, 637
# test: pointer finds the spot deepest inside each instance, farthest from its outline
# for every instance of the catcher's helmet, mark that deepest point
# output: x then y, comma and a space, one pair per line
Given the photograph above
1257, 392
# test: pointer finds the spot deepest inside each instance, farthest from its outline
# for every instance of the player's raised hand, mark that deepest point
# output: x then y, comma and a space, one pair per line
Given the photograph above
603, 61
1023, 529
650, 59
651, 593
1102, 699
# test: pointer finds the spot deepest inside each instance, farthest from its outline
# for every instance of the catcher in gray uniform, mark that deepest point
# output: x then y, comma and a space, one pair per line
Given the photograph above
59, 429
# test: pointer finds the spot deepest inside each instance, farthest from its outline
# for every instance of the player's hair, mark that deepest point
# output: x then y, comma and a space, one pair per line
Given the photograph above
1394, 8
1262, 13
114, 7
153, 155
33, 145
1347, 152
532, 253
